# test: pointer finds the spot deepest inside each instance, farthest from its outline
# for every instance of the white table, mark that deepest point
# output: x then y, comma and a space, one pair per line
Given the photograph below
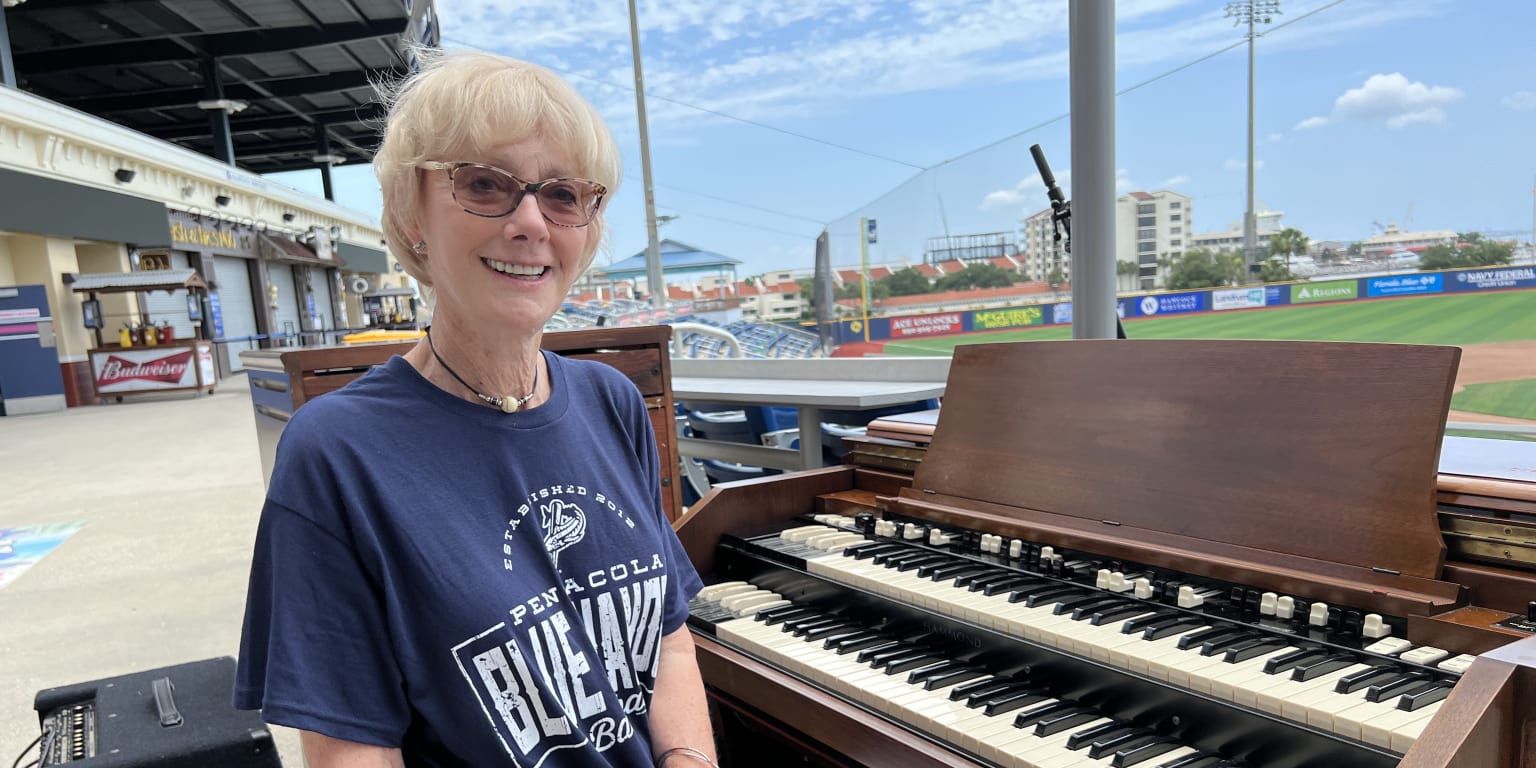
811, 386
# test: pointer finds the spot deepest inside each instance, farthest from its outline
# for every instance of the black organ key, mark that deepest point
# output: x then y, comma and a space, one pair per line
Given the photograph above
967, 690
1042, 597
775, 615
1217, 645
898, 666
1316, 669
1396, 686
956, 678
1113, 744
994, 588
1063, 721
1086, 736
1424, 697
1132, 756
1014, 700
1032, 717
1142, 622
1125, 611
1365, 678
1072, 603
1171, 628
1253, 649
857, 641
1196, 638
1300, 656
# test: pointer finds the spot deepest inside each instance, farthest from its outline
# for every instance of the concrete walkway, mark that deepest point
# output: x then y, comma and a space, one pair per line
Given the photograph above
170, 490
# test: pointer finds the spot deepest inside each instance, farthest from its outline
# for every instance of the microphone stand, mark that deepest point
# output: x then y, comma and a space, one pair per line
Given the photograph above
1061, 214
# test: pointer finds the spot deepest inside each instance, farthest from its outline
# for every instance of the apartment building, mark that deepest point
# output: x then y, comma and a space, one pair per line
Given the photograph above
1150, 226
1041, 253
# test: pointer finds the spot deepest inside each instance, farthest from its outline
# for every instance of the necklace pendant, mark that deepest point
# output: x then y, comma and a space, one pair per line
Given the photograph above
508, 405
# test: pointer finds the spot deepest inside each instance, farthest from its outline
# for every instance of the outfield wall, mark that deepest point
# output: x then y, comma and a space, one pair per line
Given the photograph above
901, 327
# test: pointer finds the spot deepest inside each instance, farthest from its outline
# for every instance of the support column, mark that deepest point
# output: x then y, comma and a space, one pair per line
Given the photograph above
218, 119
323, 149
7, 65
44, 260
1092, 66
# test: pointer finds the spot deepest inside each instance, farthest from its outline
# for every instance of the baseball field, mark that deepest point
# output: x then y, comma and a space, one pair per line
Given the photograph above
1497, 332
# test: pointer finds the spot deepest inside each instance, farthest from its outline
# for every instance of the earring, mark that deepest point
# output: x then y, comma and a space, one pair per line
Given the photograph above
419, 246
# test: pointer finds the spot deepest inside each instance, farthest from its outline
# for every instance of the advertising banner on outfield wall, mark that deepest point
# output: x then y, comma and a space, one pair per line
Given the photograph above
1338, 290
1491, 279
1237, 298
1404, 285
1167, 304
1275, 295
1061, 314
1012, 317
926, 325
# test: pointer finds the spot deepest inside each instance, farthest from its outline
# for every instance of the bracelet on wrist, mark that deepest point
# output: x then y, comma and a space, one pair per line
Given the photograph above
689, 752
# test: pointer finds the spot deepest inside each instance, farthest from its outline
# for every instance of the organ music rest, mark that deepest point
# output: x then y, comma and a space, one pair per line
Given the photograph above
1191, 553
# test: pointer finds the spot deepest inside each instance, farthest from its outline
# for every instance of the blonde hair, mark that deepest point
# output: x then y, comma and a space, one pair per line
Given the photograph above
462, 102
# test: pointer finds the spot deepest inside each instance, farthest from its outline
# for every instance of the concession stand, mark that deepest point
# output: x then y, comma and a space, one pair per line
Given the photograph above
147, 358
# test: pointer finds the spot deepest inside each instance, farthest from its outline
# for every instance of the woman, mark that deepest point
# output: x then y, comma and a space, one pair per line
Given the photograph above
462, 559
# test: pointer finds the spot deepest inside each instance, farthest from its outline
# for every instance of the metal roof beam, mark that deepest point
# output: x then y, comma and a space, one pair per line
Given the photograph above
187, 98
196, 46
360, 114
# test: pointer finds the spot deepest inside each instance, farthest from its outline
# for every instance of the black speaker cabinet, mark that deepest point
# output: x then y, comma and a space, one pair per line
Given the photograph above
174, 717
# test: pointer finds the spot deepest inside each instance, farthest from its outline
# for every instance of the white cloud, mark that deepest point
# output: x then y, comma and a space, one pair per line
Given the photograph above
1396, 100
1431, 115
1520, 101
1031, 187
1238, 165
757, 60
1176, 181
1312, 122
1276, 137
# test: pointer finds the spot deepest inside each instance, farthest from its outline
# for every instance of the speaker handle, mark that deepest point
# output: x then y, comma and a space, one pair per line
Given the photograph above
170, 717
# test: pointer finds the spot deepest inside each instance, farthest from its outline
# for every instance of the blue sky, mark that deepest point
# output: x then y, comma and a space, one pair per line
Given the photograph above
1418, 112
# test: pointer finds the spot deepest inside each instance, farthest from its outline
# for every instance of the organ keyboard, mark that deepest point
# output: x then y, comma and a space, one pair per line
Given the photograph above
1105, 561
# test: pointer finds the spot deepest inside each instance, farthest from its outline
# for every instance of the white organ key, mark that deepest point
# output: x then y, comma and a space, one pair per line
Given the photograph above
1374, 627
752, 610
1188, 598
714, 591
1319, 615
1424, 654
1267, 603
1101, 580
937, 537
1389, 646
1285, 607
1117, 582
800, 534
1457, 663
1015, 549
911, 532
1143, 589
1046, 553
735, 603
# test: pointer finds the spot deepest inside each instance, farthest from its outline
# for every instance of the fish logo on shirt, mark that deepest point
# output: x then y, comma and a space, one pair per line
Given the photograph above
564, 524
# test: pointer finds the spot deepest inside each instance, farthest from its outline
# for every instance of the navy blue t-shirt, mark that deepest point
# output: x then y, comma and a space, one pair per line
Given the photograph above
473, 587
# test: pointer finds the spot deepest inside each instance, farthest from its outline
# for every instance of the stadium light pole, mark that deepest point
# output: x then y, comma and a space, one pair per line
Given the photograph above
653, 276
1252, 13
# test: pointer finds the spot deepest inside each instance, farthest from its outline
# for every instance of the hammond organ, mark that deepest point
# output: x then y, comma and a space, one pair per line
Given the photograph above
1164, 554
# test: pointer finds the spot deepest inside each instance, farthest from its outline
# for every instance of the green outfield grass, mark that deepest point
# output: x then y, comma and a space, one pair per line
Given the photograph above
1503, 398
1455, 320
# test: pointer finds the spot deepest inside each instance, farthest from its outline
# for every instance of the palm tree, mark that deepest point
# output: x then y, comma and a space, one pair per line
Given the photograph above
1288, 242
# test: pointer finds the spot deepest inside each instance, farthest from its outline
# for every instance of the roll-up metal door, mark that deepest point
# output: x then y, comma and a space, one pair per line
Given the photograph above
320, 282
171, 307
237, 307
281, 276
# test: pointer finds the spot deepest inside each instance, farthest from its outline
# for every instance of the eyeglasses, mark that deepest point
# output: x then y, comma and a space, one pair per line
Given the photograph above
488, 191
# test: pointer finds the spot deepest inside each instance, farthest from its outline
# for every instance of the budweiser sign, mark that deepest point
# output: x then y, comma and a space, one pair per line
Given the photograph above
122, 371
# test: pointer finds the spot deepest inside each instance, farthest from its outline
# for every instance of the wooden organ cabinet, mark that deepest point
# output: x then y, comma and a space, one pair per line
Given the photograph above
1162, 554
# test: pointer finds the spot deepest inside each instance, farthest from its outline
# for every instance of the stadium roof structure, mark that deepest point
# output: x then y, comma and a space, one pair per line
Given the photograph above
675, 258
292, 76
